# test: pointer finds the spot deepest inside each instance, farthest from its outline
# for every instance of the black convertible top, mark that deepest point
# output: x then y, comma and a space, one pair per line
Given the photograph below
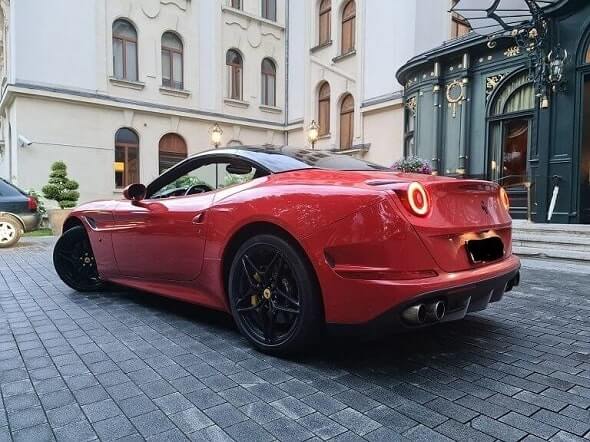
285, 158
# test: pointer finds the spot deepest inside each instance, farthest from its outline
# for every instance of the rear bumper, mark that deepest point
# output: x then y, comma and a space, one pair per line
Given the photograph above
463, 292
31, 221
459, 302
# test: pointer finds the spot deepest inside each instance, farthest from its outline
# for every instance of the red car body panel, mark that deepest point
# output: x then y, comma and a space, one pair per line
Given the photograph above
369, 252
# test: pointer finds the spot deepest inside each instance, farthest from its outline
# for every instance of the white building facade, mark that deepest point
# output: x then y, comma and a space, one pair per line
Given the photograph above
121, 89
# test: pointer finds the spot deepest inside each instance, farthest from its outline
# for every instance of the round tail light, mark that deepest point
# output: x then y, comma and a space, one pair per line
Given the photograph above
418, 199
504, 198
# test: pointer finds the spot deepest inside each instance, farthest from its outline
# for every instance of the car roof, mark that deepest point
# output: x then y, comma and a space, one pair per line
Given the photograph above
285, 158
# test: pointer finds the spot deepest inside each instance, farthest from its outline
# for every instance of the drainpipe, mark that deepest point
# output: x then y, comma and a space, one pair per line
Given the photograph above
436, 96
466, 104
287, 72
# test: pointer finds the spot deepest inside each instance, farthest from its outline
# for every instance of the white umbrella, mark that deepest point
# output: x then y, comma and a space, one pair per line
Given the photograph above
488, 17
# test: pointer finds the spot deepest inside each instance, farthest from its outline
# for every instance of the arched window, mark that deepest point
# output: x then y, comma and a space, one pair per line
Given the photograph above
235, 67
587, 60
172, 149
269, 82
124, 51
269, 9
172, 62
325, 22
126, 157
324, 109
346, 122
348, 27
237, 4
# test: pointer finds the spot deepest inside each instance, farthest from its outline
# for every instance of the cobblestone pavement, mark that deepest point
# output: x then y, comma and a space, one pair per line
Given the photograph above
133, 366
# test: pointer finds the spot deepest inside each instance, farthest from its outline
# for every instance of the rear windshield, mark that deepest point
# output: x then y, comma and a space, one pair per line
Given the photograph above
7, 189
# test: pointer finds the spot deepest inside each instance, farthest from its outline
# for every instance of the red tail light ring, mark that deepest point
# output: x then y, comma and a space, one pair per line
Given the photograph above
418, 199
504, 198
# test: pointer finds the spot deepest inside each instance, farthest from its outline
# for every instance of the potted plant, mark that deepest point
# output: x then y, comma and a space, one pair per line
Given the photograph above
412, 165
62, 190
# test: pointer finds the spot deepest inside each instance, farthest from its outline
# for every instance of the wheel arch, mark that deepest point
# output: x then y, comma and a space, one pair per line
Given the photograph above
18, 219
72, 222
257, 228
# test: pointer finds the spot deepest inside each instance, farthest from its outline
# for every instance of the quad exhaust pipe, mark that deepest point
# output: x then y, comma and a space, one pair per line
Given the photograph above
422, 313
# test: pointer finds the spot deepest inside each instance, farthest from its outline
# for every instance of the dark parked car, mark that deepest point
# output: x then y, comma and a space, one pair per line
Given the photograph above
18, 213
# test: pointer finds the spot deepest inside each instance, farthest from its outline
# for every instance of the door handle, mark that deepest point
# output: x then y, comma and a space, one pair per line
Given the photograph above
198, 218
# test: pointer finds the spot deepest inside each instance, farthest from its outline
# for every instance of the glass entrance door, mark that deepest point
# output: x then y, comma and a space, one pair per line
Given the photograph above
509, 159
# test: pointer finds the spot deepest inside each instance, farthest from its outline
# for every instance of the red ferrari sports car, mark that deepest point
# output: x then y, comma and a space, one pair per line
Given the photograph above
291, 241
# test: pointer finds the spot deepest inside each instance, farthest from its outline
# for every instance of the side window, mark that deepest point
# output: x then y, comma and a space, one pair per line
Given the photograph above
207, 178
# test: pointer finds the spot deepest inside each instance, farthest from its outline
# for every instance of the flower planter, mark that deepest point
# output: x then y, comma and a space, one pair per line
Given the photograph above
57, 218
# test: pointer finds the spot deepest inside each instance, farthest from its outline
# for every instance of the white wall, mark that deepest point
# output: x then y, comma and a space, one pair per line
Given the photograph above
55, 42
433, 24
297, 53
395, 31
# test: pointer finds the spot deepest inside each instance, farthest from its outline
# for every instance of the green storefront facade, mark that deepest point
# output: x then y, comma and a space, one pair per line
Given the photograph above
472, 111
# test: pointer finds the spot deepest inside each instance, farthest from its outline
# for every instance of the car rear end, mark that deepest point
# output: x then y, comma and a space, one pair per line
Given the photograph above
17, 203
431, 250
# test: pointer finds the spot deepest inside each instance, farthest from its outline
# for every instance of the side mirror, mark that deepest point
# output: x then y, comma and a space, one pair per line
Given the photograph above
135, 192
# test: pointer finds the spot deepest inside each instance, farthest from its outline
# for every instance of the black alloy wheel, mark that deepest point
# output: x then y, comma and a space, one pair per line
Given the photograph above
273, 295
74, 261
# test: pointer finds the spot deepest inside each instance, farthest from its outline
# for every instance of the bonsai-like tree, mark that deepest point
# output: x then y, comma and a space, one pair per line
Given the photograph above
60, 188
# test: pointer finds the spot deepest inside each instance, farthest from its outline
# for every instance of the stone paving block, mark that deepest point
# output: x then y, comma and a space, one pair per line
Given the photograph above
322, 426
211, 434
26, 418
562, 422
100, 410
391, 418
225, 415
421, 414
355, 421
423, 433
529, 425
497, 429
384, 434
114, 428
191, 420
323, 403
284, 429
62, 416
458, 431
452, 410
292, 407
137, 405
261, 412
40, 433
152, 423
204, 398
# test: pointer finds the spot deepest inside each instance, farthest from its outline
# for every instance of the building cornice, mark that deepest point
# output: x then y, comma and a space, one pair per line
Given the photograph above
63, 94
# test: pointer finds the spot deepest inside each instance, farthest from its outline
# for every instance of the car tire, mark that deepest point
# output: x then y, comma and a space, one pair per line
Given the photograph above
10, 231
74, 261
270, 280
